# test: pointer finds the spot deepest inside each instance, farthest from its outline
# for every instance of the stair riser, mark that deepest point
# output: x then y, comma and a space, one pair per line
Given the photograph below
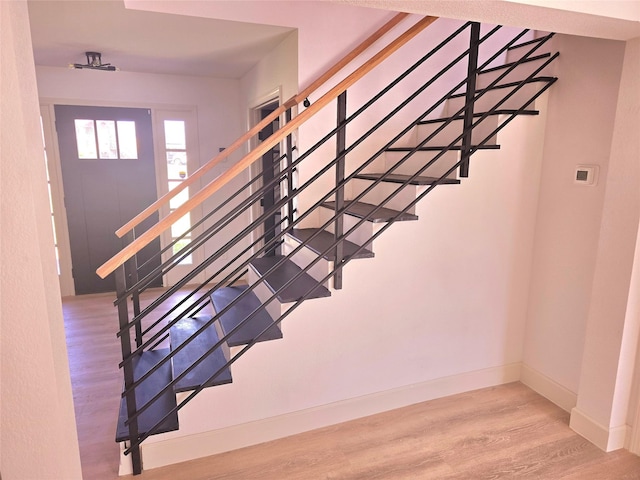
520, 72
407, 140
275, 309
454, 129
304, 257
420, 159
360, 235
516, 54
382, 191
493, 97
225, 347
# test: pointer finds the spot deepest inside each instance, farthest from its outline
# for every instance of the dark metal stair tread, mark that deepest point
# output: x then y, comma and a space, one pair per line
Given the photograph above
180, 332
145, 391
545, 79
507, 65
285, 272
400, 178
479, 114
438, 148
324, 240
240, 311
361, 210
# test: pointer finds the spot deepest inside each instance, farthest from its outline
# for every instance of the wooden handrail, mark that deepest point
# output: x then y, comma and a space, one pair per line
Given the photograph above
293, 101
216, 184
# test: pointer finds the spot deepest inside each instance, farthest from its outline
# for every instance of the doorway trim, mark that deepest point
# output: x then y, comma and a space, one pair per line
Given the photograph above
52, 149
253, 118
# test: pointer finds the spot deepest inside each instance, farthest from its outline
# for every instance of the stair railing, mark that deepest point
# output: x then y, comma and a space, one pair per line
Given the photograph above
144, 239
337, 265
126, 254
227, 219
342, 238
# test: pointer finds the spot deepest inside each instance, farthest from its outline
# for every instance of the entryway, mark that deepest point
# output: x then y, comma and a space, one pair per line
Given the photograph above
108, 173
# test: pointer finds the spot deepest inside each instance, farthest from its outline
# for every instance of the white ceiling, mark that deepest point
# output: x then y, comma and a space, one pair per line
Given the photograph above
148, 42
610, 19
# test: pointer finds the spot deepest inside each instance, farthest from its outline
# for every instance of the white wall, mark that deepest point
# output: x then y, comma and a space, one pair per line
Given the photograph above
582, 106
623, 9
278, 70
612, 325
38, 433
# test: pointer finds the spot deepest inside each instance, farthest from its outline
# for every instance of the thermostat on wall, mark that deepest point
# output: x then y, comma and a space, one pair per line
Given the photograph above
586, 175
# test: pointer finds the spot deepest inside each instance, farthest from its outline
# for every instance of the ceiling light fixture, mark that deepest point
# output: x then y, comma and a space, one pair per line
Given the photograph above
94, 62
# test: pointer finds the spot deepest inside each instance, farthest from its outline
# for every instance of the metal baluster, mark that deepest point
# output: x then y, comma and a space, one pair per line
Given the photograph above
471, 91
132, 275
125, 343
290, 172
339, 216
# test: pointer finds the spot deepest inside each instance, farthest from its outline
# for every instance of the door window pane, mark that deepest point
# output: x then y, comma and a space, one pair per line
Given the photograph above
179, 245
181, 226
86, 139
174, 135
177, 165
176, 154
127, 140
107, 141
179, 199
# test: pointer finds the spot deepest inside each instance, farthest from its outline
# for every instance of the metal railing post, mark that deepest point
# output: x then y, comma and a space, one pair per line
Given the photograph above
341, 139
125, 344
289, 172
470, 93
132, 276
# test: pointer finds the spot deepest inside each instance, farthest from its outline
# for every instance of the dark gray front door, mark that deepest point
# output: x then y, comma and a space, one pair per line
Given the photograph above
108, 174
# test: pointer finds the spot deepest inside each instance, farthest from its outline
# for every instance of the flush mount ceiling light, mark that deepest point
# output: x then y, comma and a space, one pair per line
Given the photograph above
94, 62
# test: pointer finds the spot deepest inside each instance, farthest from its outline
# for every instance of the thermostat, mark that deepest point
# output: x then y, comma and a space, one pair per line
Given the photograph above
586, 175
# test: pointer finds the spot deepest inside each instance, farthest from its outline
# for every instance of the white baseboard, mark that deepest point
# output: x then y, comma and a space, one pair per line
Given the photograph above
607, 439
548, 388
180, 449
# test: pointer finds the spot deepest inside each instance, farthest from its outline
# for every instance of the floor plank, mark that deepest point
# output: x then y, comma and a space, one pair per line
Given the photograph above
504, 432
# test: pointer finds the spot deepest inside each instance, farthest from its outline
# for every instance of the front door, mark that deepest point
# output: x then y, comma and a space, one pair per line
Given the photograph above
108, 173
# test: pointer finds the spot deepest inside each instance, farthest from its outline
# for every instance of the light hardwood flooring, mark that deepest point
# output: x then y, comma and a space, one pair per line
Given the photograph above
496, 433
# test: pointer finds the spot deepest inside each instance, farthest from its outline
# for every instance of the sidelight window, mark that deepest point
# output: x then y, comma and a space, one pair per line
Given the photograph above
177, 171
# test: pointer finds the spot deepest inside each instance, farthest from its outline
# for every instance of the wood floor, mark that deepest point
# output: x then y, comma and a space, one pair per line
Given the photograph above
496, 433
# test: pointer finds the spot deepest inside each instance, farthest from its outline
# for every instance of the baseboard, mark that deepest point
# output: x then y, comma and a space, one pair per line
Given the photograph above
179, 449
607, 439
548, 388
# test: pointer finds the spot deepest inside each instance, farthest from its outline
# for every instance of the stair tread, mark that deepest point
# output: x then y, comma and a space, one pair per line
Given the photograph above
241, 310
324, 240
401, 178
282, 274
479, 114
145, 391
438, 148
180, 332
361, 210
544, 79
510, 64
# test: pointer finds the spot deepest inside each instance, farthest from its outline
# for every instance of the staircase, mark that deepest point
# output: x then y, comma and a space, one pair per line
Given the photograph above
190, 343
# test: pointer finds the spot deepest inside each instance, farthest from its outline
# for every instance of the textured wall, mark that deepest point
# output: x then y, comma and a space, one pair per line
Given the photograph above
38, 426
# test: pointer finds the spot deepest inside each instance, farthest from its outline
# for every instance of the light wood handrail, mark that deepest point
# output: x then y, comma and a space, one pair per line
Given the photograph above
293, 101
216, 184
